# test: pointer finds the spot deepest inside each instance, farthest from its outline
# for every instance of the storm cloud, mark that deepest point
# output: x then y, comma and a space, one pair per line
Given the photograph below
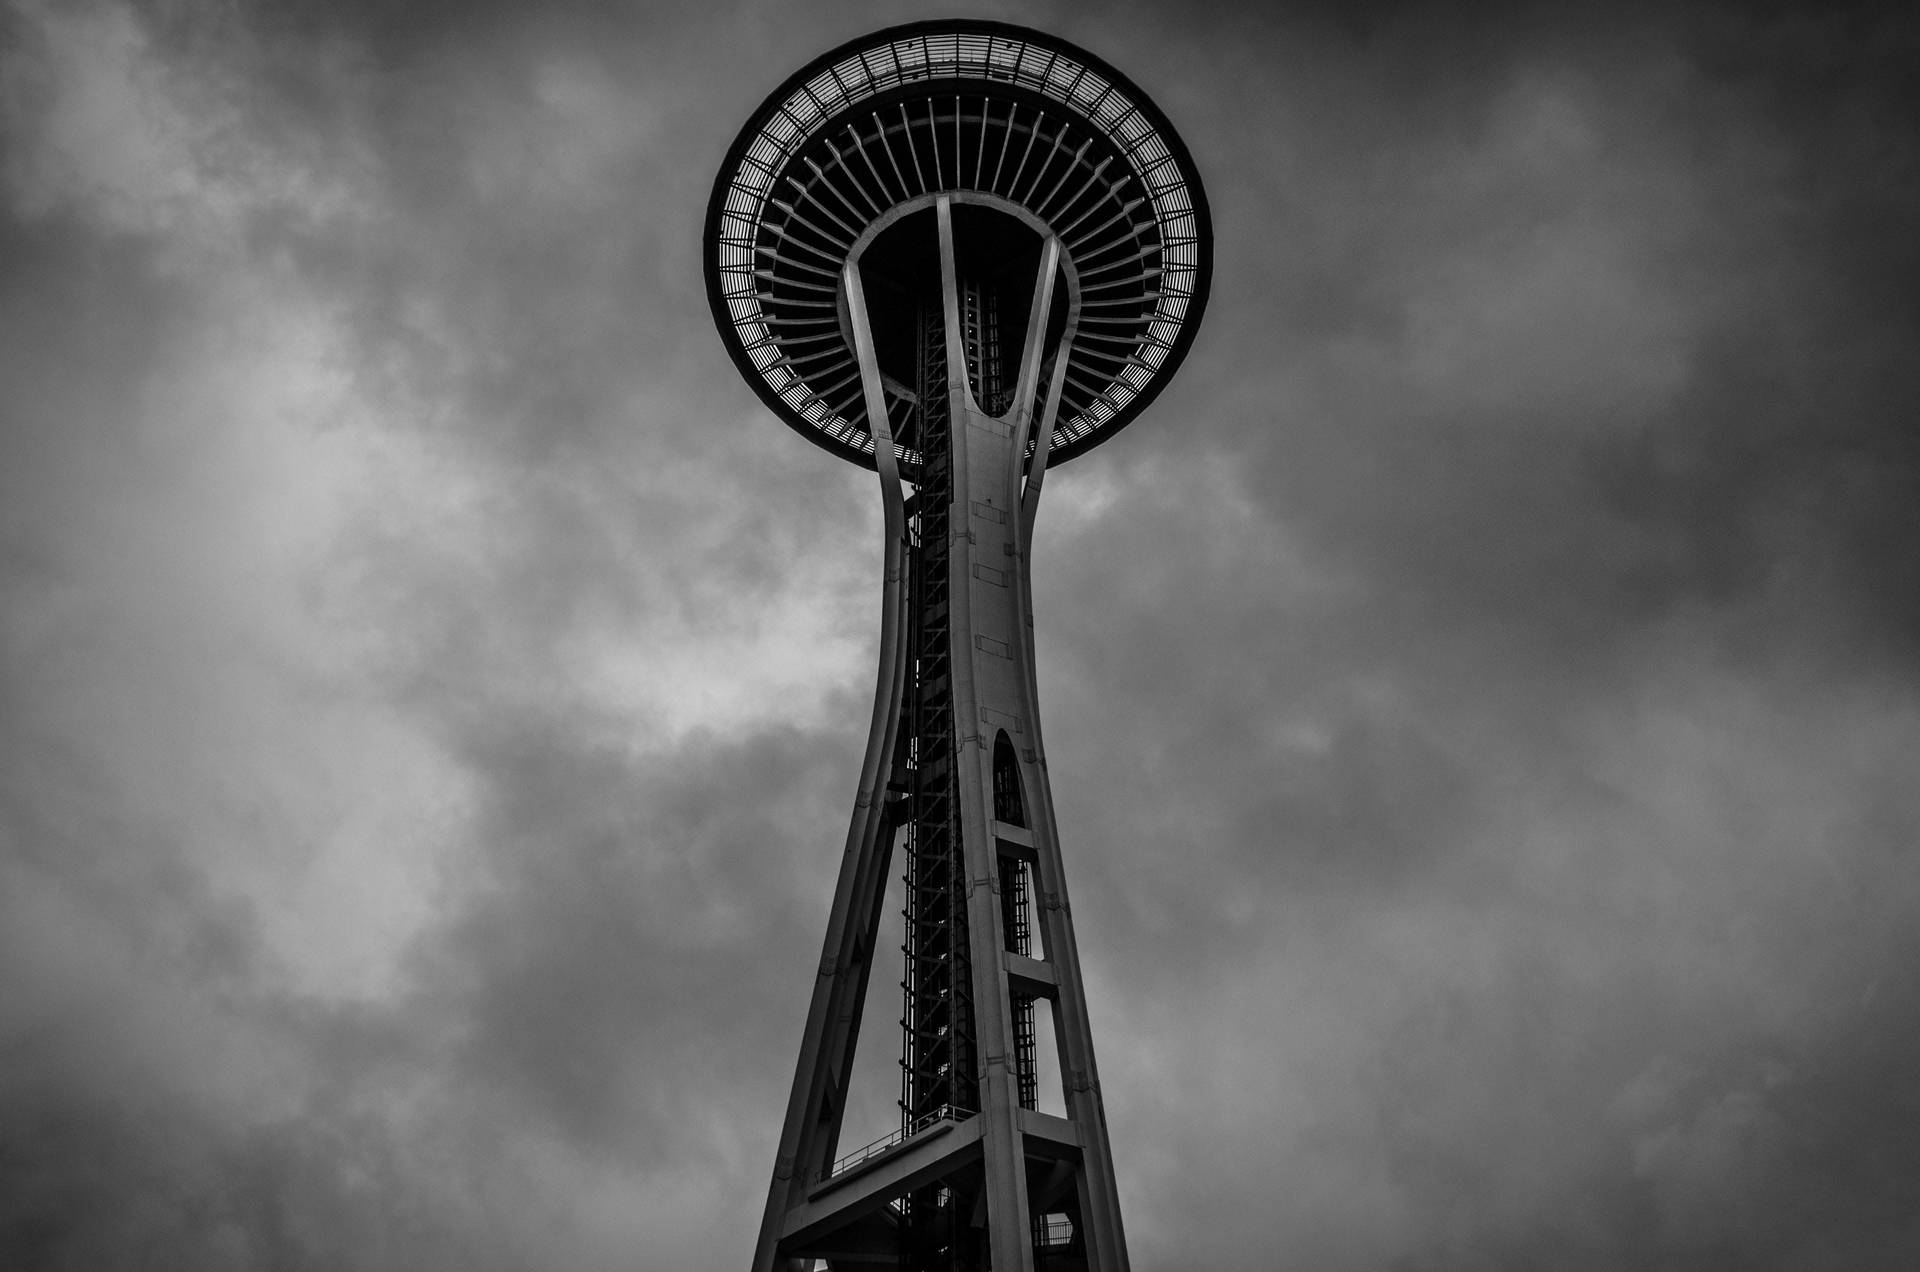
1482, 693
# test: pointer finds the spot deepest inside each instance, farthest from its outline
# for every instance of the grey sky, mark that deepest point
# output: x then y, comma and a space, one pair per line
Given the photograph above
1481, 692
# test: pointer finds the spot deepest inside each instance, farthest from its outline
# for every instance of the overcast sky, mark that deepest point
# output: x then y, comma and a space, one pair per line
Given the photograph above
1482, 693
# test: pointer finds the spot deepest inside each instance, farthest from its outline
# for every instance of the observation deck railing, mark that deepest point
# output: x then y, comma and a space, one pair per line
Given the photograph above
867, 1152
1053, 1230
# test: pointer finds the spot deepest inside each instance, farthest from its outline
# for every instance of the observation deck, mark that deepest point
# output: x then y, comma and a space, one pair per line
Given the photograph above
1029, 138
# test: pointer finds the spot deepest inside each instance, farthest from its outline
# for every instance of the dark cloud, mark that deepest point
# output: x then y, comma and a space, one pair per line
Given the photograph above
618, 919
1479, 694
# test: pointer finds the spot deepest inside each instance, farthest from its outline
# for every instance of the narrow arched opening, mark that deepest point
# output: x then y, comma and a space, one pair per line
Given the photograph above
1009, 801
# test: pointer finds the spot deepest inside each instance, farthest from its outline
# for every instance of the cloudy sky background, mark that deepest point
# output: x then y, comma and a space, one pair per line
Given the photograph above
1483, 693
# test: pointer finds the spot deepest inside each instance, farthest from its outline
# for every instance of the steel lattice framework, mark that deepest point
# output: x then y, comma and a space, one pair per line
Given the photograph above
956, 253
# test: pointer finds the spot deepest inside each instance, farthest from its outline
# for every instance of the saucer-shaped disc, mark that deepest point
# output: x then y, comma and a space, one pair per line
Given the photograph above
1008, 117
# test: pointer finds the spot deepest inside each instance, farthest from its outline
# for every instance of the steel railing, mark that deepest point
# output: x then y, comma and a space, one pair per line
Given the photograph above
867, 1152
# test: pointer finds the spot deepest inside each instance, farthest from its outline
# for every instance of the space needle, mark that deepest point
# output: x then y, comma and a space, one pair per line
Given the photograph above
957, 253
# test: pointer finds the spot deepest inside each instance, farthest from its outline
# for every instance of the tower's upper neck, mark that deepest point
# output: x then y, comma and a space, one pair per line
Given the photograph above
996, 257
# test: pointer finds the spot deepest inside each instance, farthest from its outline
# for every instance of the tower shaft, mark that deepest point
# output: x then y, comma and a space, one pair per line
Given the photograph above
955, 773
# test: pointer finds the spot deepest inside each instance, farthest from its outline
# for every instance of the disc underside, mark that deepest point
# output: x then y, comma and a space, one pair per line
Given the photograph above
975, 111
